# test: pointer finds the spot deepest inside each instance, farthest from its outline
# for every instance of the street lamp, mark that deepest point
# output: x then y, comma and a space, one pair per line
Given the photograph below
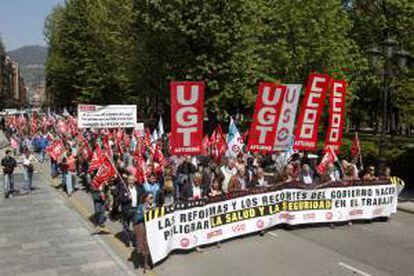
387, 73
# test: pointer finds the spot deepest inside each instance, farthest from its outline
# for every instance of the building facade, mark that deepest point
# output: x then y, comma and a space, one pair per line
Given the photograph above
13, 92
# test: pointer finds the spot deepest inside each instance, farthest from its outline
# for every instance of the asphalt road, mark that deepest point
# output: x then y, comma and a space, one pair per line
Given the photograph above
379, 248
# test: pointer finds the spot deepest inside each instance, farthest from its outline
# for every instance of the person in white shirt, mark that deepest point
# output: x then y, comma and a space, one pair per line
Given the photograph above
228, 170
193, 190
332, 173
28, 161
259, 180
306, 174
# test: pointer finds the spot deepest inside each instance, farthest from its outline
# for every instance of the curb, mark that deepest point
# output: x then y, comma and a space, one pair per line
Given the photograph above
82, 213
406, 209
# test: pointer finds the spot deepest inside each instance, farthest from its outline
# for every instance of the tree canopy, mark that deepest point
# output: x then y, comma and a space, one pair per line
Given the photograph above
127, 51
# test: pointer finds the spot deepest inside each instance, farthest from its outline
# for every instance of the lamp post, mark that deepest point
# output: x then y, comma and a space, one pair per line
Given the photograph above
387, 53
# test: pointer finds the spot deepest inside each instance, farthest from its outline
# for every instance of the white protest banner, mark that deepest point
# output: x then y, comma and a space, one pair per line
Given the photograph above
197, 223
284, 132
108, 116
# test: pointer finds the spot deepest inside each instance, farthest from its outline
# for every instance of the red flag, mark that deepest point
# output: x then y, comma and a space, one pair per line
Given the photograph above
159, 156
187, 109
85, 149
142, 169
72, 125
21, 122
105, 172
97, 158
33, 124
56, 149
14, 143
120, 135
245, 135
356, 147
336, 115
62, 127
205, 144
107, 147
328, 158
306, 137
218, 144
266, 117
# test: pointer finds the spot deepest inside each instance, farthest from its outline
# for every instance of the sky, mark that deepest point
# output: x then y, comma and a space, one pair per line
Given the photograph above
22, 21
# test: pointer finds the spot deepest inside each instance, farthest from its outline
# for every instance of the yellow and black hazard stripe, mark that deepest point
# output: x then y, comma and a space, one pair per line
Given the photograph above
155, 213
397, 181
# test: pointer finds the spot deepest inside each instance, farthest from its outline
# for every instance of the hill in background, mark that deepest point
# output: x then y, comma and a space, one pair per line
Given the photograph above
31, 60
29, 55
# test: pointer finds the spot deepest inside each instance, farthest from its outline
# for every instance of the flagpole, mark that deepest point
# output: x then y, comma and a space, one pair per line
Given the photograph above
118, 174
360, 152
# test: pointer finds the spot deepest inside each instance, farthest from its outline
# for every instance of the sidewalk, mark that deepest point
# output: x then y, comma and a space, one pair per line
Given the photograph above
40, 234
82, 203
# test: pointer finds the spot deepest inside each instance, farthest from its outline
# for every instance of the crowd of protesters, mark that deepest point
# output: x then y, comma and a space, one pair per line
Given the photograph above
145, 176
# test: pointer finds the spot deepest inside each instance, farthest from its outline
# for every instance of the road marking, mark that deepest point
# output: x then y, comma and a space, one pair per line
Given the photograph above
273, 234
353, 269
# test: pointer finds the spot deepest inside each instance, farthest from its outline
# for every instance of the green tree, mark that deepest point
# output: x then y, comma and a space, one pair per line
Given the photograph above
89, 51
374, 21
211, 40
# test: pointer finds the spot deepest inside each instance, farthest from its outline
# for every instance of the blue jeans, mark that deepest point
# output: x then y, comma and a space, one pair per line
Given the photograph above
126, 231
128, 237
8, 183
28, 179
126, 160
67, 180
54, 170
99, 207
42, 155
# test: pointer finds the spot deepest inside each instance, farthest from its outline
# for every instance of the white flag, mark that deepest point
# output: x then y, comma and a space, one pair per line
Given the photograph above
160, 128
235, 142
154, 137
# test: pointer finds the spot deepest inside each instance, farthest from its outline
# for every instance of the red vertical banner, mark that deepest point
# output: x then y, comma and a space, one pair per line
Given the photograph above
266, 117
336, 123
187, 113
306, 137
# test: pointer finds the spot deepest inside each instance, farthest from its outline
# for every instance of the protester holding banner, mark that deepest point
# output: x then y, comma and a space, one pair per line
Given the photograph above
370, 174
350, 170
193, 188
306, 175
214, 189
227, 171
287, 175
238, 181
184, 173
259, 179
167, 195
146, 203
152, 186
